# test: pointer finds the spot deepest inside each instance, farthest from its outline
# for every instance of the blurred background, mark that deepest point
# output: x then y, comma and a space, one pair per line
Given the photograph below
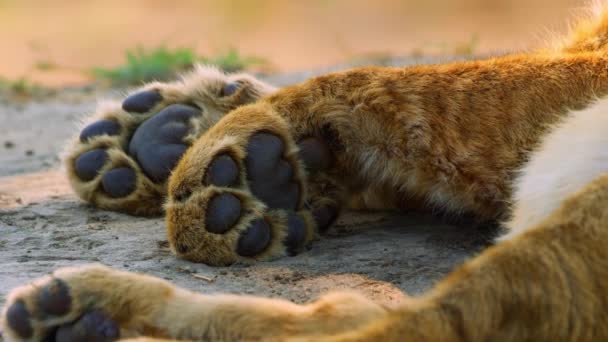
66, 42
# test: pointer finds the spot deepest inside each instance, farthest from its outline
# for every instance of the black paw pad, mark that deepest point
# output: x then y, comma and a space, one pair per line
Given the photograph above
18, 319
325, 216
270, 176
223, 171
283, 172
263, 153
87, 166
54, 298
119, 182
315, 154
98, 128
230, 88
93, 326
167, 158
158, 143
222, 213
255, 239
142, 101
281, 196
296, 233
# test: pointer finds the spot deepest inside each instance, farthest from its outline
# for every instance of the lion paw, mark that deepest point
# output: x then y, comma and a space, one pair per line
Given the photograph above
123, 158
90, 303
239, 194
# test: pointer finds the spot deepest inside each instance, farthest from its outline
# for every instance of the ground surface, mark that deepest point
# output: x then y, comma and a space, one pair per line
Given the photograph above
44, 226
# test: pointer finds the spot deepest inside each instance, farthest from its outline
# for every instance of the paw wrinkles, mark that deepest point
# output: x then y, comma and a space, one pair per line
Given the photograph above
158, 144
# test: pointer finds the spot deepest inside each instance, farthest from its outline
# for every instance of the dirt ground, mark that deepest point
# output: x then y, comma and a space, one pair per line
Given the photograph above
44, 226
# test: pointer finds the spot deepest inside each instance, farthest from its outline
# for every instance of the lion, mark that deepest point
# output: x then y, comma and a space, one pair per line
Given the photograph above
246, 172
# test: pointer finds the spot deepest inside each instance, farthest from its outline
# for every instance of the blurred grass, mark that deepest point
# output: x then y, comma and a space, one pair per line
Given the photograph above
19, 87
163, 63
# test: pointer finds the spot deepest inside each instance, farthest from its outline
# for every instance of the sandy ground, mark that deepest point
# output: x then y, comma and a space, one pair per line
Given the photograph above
44, 226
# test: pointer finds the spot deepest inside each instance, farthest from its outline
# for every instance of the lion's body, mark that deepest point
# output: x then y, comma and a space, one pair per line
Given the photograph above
520, 138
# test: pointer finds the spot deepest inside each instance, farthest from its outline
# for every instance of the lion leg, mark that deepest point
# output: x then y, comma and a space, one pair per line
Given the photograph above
547, 284
242, 191
96, 303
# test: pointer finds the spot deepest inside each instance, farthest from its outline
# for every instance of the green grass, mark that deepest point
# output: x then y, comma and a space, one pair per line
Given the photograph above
162, 63
19, 87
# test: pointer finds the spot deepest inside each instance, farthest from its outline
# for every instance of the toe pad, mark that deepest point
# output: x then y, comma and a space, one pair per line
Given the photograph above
222, 213
55, 298
119, 182
93, 326
142, 101
263, 153
255, 239
223, 171
98, 128
230, 88
18, 318
87, 166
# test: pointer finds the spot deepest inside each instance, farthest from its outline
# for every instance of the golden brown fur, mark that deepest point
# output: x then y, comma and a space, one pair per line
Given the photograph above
453, 134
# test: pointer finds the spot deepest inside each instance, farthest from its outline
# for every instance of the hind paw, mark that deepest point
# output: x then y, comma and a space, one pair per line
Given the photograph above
239, 194
124, 156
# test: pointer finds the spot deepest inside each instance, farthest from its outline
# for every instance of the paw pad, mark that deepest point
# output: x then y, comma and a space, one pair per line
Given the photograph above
93, 326
230, 89
87, 166
119, 182
270, 176
142, 101
98, 128
158, 143
223, 171
223, 212
149, 132
263, 153
255, 239
54, 298
263, 217
18, 319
